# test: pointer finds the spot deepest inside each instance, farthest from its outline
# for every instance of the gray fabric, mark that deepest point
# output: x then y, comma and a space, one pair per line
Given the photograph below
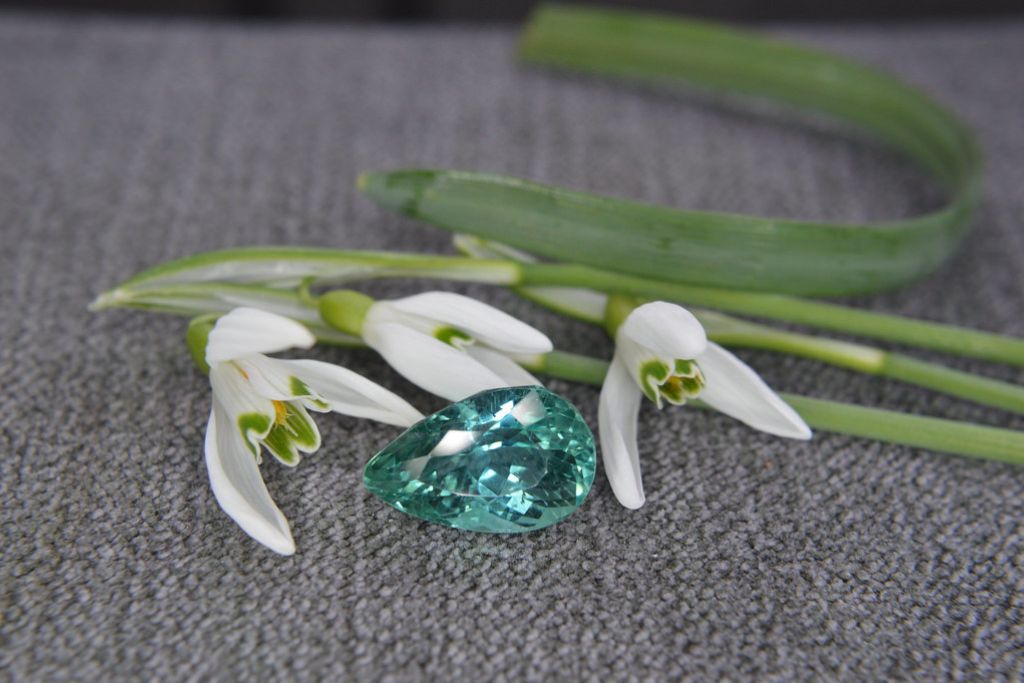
123, 144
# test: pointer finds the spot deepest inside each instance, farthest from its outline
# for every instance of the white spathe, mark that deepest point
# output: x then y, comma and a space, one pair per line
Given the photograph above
260, 401
452, 345
664, 333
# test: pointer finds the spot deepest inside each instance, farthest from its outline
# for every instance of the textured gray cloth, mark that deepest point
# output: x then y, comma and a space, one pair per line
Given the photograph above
123, 144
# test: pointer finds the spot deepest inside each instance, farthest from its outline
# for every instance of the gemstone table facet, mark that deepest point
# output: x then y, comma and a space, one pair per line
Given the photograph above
502, 461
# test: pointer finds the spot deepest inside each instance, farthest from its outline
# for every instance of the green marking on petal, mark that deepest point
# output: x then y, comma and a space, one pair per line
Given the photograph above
302, 428
253, 425
453, 337
300, 389
280, 445
692, 387
673, 392
676, 383
293, 431
652, 374
319, 404
686, 368
685, 383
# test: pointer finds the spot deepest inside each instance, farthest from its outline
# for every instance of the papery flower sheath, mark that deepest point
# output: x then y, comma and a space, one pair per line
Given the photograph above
260, 401
452, 345
662, 352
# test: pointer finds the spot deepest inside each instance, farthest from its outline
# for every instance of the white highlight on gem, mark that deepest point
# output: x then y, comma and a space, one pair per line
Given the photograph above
529, 410
454, 441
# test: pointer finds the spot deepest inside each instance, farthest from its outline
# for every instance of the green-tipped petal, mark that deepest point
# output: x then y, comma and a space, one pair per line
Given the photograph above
430, 311
429, 363
294, 432
251, 414
349, 393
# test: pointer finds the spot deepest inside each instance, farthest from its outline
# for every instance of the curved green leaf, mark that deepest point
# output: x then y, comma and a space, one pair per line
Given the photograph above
713, 249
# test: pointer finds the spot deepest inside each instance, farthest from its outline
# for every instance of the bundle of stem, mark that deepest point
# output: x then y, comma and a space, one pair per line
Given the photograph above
738, 264
219, 281
935, 434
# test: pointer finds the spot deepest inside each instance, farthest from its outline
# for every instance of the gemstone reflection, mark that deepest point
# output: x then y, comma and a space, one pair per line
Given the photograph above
502, 461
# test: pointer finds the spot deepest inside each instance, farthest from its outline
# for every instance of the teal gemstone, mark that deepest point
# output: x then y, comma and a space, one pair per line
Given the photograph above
502, 461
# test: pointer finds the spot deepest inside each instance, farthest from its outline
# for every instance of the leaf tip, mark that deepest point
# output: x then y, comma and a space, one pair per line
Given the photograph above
110, 299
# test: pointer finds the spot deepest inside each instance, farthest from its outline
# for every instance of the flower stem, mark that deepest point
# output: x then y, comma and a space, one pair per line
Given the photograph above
951, 339
213, 297
190, 285
932, 433
733, 332
935, 434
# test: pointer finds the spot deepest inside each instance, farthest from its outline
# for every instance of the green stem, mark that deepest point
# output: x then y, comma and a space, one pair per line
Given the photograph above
195, 298
918, 431
200, 298
575, 367
951, 339
288, 266
733, 332
211, 282
730, 331
211, 275
935, 434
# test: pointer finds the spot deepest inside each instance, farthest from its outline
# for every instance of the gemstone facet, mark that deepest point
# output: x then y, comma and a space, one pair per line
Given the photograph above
501, 461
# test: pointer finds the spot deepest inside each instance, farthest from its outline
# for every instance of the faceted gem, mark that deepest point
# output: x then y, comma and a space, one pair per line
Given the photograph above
502, 461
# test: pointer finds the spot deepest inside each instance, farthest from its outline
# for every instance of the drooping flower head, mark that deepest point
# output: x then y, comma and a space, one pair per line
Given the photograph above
662, 352
262, 402
448, 344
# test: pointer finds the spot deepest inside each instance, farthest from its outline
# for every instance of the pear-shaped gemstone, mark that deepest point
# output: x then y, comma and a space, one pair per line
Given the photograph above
503, 461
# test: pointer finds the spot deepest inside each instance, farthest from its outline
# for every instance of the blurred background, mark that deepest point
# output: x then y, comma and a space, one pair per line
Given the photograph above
515, 10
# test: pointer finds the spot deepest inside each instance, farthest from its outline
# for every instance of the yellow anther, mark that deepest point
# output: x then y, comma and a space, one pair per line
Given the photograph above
280, 412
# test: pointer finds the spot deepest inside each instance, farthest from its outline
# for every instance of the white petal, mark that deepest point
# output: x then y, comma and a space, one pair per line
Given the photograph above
250, 330
501, 365
429, 363
350, 393
237, 396
239, 488
484, 323
665, 330
733, 388
617, 416
269, 377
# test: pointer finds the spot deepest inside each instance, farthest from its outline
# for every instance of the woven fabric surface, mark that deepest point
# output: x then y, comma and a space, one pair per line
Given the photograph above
125, 143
